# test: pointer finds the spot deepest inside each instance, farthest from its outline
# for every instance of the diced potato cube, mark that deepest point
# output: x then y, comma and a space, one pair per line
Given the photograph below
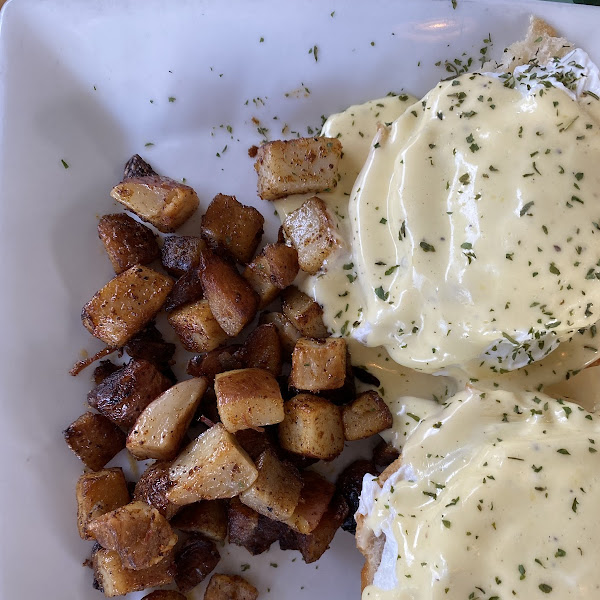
137, 532
314, 544
263, 349
315, 497
122, 396
188, 288
232, 300
304, 313
384, 454
153, 486
247, 528
255, 442
150, 345
180, 253
127, 242
318, 364
208, 517
229, 587
161, 426
266, 291
312, 427
125, 305
197, 327
112, 578
229, 225
94, 439
366, 416
165, 595
248, 398
163, 202
312, 231
276, 491
299, 166
194, 561
288, 334
216, 361
97, 494
213, 466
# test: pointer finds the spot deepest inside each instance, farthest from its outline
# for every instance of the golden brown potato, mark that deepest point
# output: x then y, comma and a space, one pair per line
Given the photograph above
94, 439
152, 489
187, 289
263, 349
367, 415
112, 578
312, 231
180, 253
160, 201
318, 364
122, 396
314, 544
160, 428
247, 528
196, 559
248, 398
140, 535
315, 497
230, 226
232, 300
304, 313
266, 291
97, 494
127, 242
312, 427
125, 305
208, 517
164, 595
209, 364
213, 466
299, 166
276, 491
288, 334
229, 587
197, 327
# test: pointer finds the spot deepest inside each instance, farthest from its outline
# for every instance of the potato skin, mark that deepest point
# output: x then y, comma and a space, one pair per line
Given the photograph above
153, 486
194, 561
127, 242
180, 253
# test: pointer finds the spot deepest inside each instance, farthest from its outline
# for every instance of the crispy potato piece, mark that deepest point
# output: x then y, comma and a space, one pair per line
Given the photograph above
196, 558
254, 442
127, 242
152, 489
161, 426
314, 499
188, 288
216, 361
304, 313
266, 291
347, 393
208, 517
136, 166
229, 587
229, 225
125, 305
165, 595
312, 427
247, 528
349, 486
312, 230
384, 454
103, 370
276, 491
232, 300
248, 398
366, 416
94, 439
160, 201
197, 327
288, 334
318, 364
97, 494
137, 532
149, 345
112, 578
122, 396
313, 545
180, 253
300, 166
213, 466
263, 350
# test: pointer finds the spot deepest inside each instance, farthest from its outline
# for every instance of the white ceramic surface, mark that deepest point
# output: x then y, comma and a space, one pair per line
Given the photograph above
77, 80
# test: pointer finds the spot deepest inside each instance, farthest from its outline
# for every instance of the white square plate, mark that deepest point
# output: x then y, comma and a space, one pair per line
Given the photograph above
89, 83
